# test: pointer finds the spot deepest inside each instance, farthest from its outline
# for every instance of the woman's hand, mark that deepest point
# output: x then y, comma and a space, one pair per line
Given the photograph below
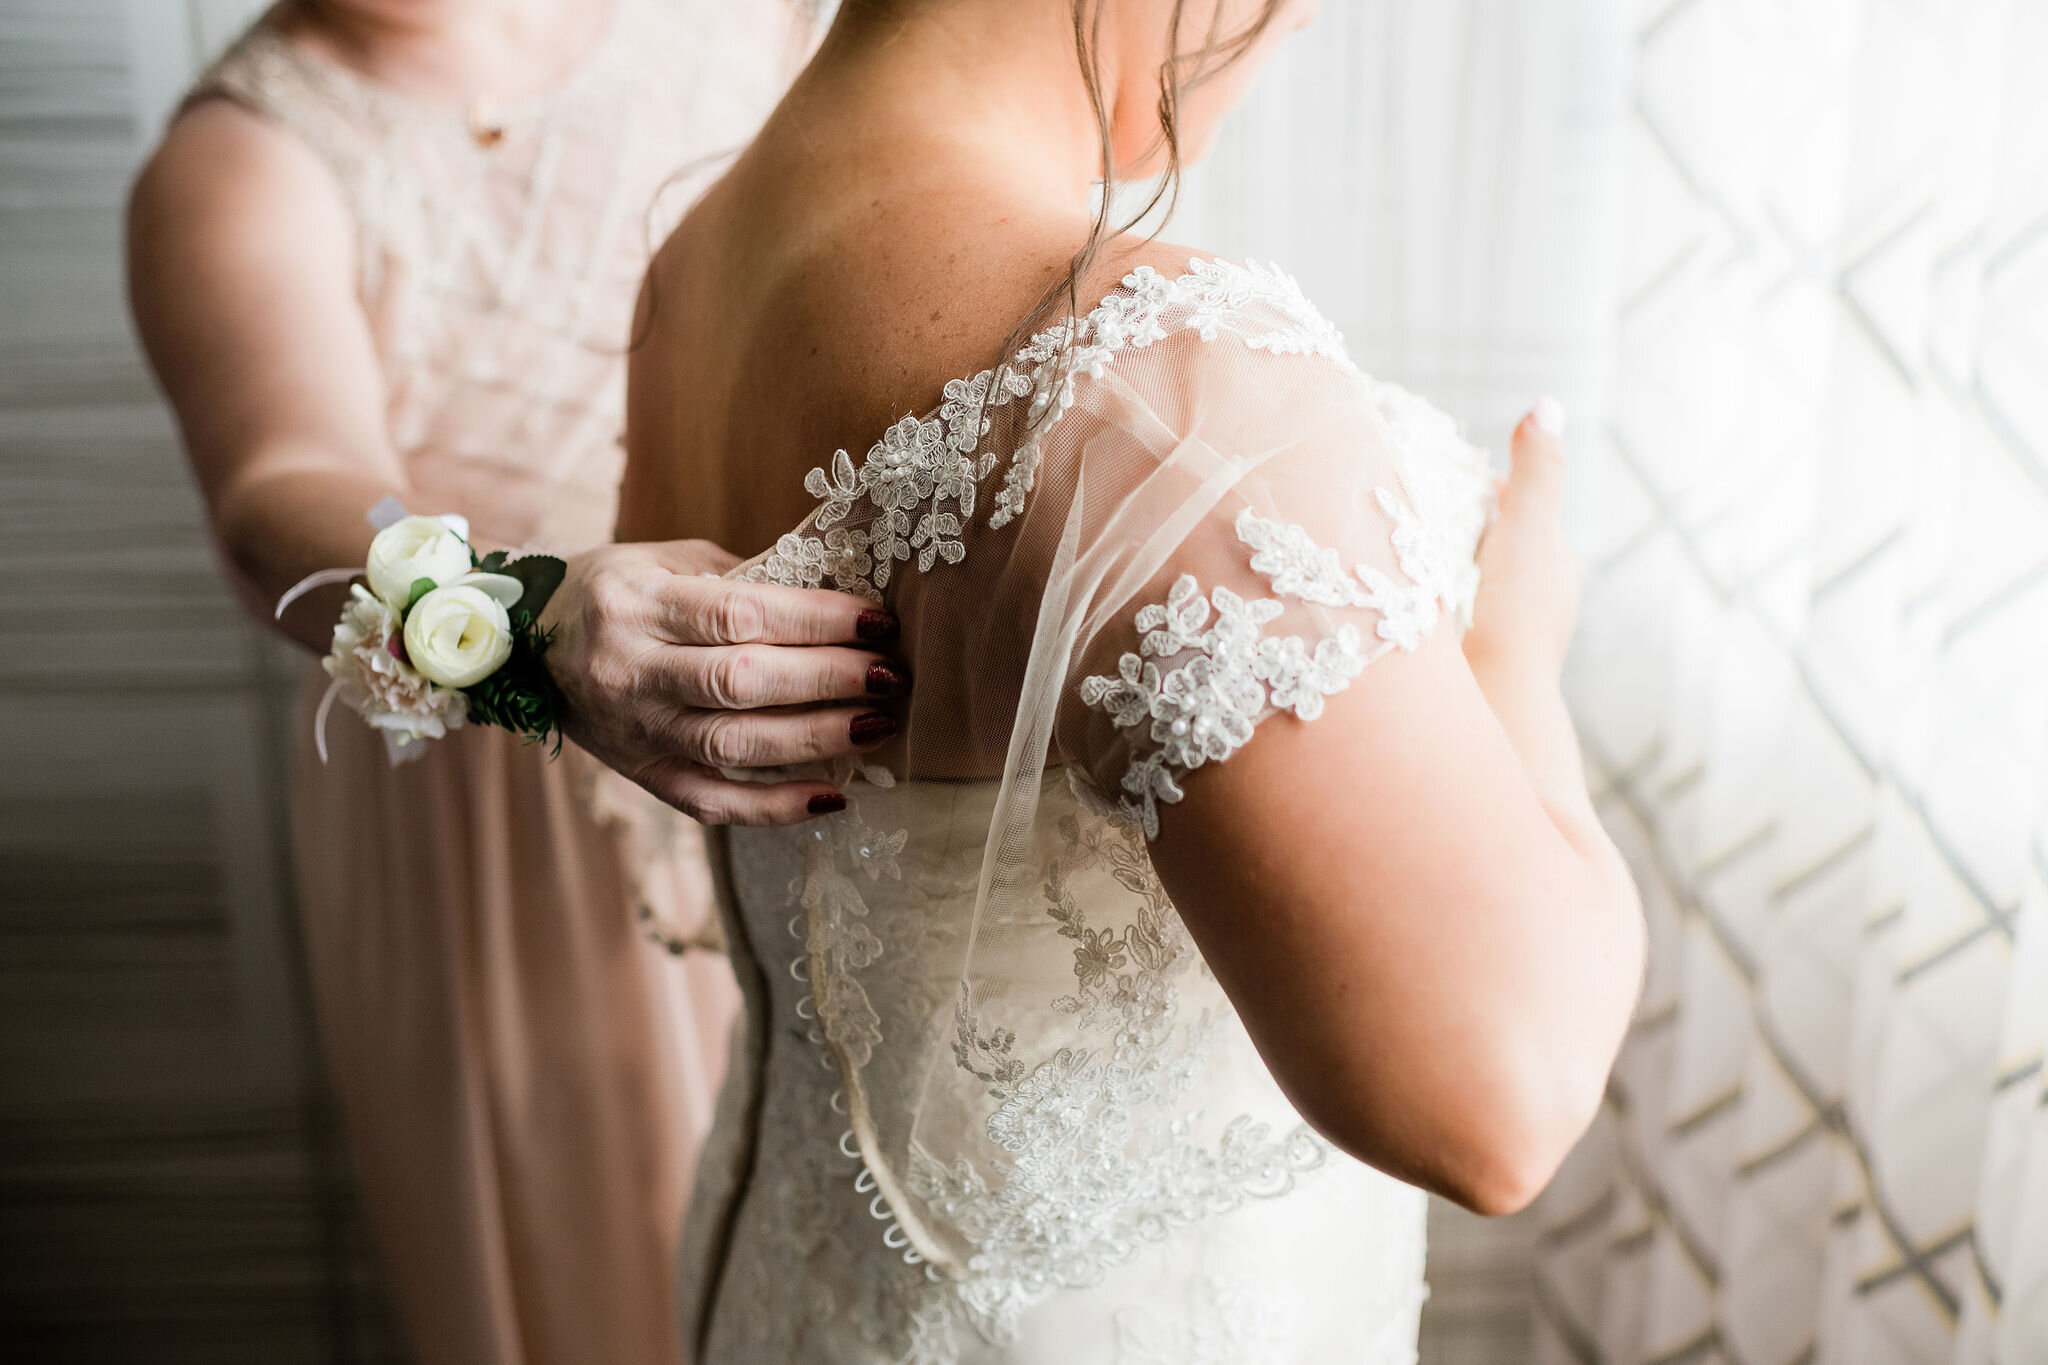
1529, 578
670, 676
1522, 621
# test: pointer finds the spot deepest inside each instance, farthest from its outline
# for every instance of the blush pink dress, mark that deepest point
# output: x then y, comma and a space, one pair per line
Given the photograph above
524, 1076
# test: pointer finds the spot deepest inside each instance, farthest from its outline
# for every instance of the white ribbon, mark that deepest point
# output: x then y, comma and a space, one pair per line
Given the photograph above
387, 512
311, 581
320, 718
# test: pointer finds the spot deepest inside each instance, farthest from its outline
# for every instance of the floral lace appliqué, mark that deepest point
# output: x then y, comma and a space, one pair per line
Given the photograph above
1232, 674
915, 494
1101, 1155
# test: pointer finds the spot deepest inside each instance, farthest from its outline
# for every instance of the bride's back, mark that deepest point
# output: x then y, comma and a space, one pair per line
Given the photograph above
845, 272
831, 283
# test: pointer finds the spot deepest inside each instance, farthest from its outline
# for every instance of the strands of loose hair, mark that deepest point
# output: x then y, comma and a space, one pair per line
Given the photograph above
1180, 73
643, 326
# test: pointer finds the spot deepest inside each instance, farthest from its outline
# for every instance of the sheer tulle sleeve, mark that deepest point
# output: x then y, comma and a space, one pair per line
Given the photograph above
1134, 543
1304, 521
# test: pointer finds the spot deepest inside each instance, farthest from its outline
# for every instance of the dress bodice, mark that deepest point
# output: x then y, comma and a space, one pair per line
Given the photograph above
499, 249
1144, 1213
996, 1109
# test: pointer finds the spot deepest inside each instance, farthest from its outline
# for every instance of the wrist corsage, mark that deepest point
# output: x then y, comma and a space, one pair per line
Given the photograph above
440, 638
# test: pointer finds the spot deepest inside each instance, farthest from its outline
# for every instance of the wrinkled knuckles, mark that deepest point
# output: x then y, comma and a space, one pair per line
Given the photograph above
695, 795
826, 737
705, 810
726, 741
660, 778
611, 597
736, 618
732, 679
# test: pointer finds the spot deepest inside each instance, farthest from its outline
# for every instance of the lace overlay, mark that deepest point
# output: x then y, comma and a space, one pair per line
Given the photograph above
1007, 1113
916, 491
1109, 1187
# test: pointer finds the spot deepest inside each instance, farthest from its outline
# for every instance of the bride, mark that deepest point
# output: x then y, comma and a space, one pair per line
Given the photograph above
1222, 891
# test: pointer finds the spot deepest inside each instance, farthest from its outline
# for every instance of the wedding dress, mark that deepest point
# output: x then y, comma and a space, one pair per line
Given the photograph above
990, 1105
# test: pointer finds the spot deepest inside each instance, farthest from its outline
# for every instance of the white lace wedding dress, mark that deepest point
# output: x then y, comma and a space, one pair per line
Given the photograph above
990, 1105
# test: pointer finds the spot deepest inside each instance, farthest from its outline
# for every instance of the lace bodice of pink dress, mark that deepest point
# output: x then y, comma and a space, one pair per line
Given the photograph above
499, 248
523, 1078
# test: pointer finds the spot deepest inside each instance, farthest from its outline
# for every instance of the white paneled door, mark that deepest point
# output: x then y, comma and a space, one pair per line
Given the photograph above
173, 1188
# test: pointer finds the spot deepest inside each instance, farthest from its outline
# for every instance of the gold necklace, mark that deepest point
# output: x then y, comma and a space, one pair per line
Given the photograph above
484, 124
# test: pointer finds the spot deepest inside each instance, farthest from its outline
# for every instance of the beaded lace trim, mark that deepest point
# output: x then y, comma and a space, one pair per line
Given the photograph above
918, 488
1233, 674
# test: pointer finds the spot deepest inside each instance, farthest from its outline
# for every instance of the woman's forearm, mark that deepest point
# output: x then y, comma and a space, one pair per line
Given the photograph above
1529, 705
242, 273
275, 528
1600, 920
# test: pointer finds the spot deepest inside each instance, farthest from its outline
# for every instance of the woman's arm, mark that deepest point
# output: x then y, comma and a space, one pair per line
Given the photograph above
241, 276
242, 279
1423, 926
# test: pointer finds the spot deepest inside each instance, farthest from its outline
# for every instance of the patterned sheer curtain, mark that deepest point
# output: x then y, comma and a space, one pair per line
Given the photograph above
1789, 263
1814, 683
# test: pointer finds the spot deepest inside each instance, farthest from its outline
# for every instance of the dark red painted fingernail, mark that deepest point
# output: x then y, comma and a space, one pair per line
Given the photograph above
877, 626
827, 803
871, 727
886, 680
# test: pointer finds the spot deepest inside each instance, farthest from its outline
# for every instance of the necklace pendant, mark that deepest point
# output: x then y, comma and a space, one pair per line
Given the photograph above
484, 124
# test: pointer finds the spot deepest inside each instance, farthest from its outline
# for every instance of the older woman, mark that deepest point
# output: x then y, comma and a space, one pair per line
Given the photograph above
390, 248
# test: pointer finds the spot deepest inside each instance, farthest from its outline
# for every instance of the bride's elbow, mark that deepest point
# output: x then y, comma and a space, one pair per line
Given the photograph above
1497, 1164
1500, 1159
1491, 1145
1504, 1177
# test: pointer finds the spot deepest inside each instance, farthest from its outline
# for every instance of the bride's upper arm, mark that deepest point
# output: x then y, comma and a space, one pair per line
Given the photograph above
1337, 815
1368, 888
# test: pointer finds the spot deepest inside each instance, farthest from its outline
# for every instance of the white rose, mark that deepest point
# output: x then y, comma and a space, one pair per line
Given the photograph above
458, 635
413, 548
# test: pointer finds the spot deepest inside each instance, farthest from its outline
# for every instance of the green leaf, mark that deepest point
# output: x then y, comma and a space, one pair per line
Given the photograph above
420, 588
541, 575
521, 696
494, 562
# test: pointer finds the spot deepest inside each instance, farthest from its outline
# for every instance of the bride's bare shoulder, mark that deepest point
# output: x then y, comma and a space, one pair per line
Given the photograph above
887, 294
792, 314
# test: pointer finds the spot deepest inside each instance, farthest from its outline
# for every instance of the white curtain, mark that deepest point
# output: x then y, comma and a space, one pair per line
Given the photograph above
1788, 261
1441, 175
